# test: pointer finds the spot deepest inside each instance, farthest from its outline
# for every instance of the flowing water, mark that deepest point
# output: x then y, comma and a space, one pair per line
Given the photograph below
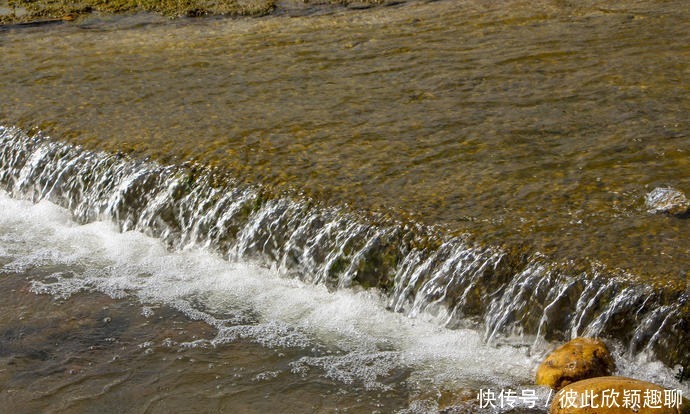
280, 280
389, 209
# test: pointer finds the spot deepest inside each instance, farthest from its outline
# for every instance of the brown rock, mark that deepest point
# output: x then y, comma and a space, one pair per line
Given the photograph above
616, 395
578, 359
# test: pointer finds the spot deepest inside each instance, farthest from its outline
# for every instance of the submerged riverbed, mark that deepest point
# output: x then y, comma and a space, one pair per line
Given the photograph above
535, 122
388, 209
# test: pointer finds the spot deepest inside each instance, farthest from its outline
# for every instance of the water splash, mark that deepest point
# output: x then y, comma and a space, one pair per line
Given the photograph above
422, 272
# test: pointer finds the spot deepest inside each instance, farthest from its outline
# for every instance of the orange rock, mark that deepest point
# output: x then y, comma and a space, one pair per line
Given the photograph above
578, 359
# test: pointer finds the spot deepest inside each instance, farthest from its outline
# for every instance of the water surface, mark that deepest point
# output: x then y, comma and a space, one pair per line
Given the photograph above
506, 148
544, 122
94, 320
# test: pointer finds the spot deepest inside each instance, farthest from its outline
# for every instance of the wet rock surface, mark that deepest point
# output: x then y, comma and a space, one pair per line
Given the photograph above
668, 200
579, 359
24, 12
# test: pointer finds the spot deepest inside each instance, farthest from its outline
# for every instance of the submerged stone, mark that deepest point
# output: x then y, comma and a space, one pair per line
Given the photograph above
667, 200
578, 359
618, 395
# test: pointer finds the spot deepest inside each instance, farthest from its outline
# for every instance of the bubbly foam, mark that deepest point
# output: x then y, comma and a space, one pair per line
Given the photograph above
349, 334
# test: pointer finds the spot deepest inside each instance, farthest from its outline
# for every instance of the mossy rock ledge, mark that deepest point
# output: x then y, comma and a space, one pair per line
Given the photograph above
617, 395
579, 359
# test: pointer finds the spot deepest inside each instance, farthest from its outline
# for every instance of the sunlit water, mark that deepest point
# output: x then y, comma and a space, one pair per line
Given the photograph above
529, 125
538, 122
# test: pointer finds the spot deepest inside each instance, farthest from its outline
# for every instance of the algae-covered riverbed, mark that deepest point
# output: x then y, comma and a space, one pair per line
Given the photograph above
535, 123
482, 166
32, 11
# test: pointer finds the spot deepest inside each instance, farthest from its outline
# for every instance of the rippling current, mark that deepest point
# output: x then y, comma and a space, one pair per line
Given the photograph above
544, 121
387, 209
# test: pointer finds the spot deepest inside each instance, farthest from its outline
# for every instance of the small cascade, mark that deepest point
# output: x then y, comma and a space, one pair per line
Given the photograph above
423, 272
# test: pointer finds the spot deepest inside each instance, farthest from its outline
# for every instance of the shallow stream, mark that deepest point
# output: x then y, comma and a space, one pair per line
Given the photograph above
387, 209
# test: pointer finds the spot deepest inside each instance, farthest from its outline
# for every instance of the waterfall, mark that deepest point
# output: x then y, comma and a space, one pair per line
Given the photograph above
422, 271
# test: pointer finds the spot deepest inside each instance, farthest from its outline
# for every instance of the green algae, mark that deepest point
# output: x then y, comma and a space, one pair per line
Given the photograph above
42, 11
33, 10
